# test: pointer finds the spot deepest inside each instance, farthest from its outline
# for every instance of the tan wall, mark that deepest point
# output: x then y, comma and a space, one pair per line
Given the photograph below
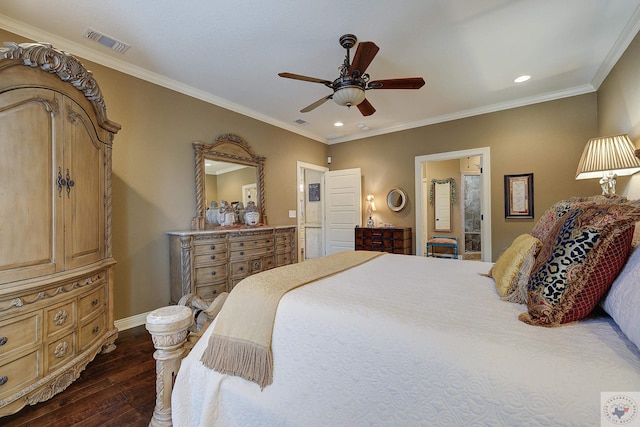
619, 108
153, 164
545, 139
153, 175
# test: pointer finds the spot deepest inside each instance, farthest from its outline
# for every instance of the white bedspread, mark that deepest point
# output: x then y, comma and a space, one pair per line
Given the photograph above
406, 340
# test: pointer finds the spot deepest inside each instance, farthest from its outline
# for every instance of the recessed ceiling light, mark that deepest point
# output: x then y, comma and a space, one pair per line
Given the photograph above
521, 79
338, 124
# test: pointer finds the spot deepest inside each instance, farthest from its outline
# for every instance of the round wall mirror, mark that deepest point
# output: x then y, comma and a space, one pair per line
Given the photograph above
396, 199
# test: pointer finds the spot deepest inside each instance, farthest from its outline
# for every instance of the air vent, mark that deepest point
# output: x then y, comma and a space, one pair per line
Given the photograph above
300, 121
107, 41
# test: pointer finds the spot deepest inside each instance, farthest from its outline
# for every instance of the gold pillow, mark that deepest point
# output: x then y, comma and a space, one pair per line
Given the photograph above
508, 265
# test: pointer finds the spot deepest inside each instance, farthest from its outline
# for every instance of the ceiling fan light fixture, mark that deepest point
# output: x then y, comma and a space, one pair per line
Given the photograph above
349, 95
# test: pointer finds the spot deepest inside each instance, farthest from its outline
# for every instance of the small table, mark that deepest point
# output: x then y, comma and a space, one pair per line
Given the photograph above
442, 242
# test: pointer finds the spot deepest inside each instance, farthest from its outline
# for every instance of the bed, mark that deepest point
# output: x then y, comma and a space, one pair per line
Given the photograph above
405, 340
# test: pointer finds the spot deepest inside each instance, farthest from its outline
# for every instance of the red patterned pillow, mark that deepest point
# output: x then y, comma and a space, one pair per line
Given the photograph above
578, 261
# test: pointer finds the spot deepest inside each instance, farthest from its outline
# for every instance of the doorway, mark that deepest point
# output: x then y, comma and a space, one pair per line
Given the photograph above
329, 207
424, 209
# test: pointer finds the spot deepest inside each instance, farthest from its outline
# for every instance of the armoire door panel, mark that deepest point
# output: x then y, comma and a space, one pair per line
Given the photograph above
84, 211
30, 209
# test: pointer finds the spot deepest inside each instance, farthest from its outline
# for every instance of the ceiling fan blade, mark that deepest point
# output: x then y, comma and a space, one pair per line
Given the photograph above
365, 53
366, 108
316, 104
305, 78
408, 83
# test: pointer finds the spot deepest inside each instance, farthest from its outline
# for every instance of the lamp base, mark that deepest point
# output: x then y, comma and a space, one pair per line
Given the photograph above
608, 184
370, 222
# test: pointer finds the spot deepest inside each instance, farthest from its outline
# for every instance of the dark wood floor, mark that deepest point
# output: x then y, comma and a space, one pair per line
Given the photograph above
116, 389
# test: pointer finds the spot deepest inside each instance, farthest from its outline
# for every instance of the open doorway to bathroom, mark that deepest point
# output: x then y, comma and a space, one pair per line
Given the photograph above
469, 173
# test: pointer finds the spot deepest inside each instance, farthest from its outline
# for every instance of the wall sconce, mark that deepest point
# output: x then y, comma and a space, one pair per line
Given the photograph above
607, 158
371, 207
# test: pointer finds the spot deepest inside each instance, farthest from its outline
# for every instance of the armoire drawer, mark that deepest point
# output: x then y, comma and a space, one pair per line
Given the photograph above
16, 373
92, 302
60, 351
60, 317
19, 332
91, 330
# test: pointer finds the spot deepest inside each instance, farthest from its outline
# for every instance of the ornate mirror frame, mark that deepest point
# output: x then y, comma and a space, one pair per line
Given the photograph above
226, 148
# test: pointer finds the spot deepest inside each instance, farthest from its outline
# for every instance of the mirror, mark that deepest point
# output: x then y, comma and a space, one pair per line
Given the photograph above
235, 174
396, 199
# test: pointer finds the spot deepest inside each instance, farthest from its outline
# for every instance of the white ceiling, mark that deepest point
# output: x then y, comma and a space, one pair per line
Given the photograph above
229, 53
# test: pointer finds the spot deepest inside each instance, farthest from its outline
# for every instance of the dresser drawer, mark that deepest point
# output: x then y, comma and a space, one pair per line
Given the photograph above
19, 332
251, 252
92, 302
243, 268
91, 330
268, 262
259, 242
211, 258
283, 259
19, 372
207, 275
60, 317
240, 268
208, 293
283, 239
60, 351
214, 247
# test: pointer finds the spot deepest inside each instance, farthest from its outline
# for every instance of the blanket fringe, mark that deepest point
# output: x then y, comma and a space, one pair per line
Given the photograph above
241, 358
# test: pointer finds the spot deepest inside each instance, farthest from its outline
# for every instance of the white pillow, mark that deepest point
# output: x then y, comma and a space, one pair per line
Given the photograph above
623, 300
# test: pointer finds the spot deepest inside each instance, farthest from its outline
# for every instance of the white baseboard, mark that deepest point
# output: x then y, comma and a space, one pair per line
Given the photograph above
131, 322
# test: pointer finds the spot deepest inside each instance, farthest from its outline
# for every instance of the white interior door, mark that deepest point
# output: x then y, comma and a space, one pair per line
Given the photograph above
343, 206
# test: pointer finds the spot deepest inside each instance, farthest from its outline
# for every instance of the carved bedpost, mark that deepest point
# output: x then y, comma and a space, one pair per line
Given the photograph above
169, 329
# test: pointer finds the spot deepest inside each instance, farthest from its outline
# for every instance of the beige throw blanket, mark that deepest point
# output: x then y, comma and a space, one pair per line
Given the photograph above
241, 340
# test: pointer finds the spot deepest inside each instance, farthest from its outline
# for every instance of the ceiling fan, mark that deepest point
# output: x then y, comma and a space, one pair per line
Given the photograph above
348, 89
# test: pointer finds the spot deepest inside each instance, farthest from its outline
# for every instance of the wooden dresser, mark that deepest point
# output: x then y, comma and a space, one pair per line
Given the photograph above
393, 240
207, 262
56, 267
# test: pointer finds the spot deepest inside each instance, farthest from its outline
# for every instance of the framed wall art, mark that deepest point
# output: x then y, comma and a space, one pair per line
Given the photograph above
314, 192
518, 196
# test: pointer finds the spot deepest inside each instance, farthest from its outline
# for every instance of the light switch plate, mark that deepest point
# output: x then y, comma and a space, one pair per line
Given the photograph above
292, 213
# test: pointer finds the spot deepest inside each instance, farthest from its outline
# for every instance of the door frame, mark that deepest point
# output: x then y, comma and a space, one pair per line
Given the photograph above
422, 195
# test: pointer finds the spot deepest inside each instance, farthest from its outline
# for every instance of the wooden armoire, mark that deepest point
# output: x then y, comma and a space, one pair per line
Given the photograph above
56, 267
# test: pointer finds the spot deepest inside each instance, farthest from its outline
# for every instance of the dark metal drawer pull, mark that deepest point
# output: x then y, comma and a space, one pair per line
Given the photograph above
3, 341
95, 301
213, 247
213, 273
95, 329
215, 291
3, 380
213, 257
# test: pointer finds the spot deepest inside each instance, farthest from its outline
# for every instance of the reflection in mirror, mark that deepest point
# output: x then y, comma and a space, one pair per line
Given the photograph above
396, 199
229, 181
229, 170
